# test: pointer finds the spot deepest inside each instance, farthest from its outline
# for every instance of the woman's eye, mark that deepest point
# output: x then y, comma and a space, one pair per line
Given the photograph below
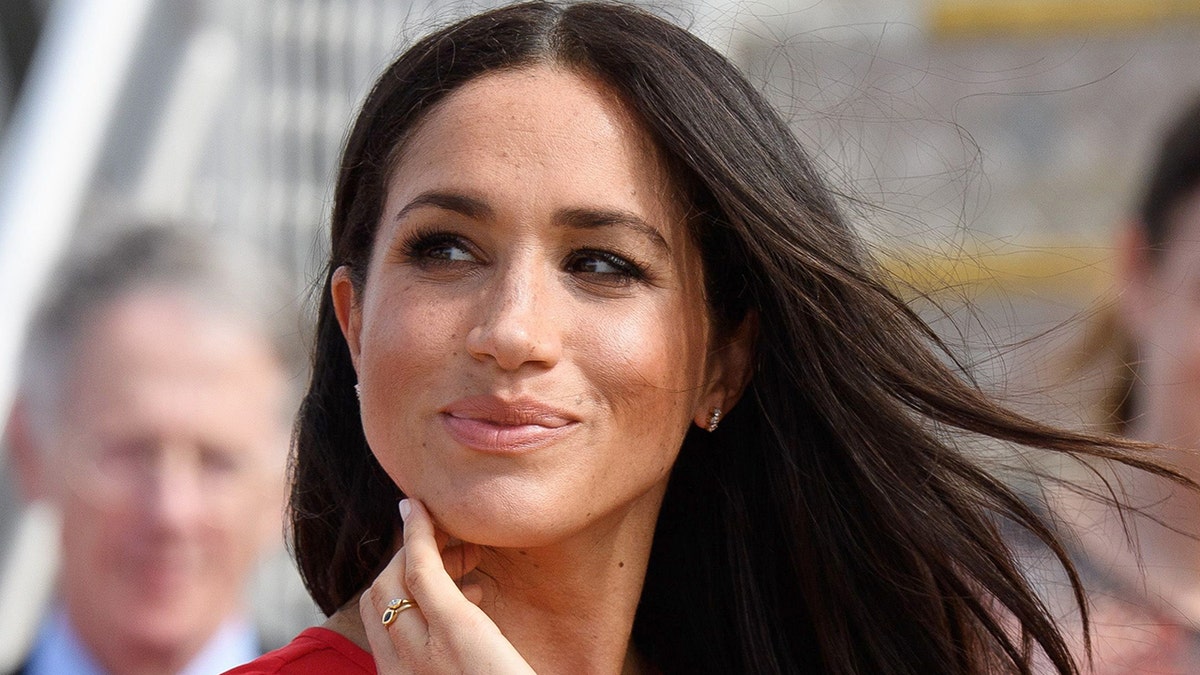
439, 248
604, 267
452, 252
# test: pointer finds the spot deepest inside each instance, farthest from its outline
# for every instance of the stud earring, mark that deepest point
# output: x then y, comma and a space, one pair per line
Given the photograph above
714, 419
358, 391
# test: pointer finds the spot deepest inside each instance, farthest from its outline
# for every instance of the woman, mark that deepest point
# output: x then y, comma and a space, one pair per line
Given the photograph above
567, 242
1148, 600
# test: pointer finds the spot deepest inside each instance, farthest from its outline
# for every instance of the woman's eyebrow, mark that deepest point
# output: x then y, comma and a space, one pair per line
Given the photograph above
587, 219
450, 201
577, 218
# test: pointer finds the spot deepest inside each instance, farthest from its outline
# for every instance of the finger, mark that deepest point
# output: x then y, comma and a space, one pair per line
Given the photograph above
408, 629
442, 539
425, 573
460, 560
458, 557
474, 593
383, 648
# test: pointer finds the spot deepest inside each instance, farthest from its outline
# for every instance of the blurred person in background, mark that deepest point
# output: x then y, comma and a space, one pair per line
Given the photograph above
154, 413
1146, 587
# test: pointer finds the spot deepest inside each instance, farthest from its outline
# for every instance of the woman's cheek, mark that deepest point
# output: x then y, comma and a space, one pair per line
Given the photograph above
405, 354
645, 367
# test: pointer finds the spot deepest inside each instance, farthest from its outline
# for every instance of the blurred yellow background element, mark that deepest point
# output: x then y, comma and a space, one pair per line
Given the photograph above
957, 18
1086, 271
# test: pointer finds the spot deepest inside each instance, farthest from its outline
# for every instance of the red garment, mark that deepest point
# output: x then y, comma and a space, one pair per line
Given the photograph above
316, 650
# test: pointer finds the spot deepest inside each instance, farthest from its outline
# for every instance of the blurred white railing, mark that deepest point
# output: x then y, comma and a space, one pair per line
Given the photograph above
223, 112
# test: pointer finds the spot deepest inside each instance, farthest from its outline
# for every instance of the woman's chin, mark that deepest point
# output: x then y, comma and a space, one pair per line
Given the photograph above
499, 526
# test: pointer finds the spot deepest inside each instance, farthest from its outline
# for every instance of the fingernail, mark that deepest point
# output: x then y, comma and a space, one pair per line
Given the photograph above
405, 509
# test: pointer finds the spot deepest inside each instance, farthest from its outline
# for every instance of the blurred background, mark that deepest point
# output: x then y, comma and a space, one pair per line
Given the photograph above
988, 148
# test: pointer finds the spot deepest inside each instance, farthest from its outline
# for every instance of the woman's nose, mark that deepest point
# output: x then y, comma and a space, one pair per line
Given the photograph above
518, 324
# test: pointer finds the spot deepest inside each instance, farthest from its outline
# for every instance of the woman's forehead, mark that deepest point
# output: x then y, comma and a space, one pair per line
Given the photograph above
538, 101
540, 127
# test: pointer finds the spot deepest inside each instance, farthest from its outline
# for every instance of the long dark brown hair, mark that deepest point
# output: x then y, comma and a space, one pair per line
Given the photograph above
832, 524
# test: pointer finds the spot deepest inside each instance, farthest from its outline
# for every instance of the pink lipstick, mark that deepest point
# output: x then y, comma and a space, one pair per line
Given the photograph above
501, 426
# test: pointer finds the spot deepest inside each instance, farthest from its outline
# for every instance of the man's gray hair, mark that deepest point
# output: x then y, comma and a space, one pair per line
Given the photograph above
223, 276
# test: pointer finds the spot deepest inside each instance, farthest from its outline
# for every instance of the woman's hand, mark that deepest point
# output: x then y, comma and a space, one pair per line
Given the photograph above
445, 632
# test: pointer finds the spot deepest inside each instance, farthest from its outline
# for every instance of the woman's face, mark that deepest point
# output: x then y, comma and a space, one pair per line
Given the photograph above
532, 340
1162, 308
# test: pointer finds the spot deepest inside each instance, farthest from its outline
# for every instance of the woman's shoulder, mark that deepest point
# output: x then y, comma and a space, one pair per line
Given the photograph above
316, 650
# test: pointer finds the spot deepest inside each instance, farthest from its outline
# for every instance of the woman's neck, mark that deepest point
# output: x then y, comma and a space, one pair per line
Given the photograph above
567, 608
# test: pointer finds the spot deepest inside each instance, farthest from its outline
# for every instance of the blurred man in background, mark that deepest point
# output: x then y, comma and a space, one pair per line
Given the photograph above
154, 414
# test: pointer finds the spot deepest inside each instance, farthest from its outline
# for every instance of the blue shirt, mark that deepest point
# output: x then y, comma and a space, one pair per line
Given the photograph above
58, 649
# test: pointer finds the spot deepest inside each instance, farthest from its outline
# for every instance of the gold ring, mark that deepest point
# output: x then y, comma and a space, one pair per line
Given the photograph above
394, 608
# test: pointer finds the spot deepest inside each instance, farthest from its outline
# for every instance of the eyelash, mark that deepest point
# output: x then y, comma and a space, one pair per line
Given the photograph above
419, 245
628, 270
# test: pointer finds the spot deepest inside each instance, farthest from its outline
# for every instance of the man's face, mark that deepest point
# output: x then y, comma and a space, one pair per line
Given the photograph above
167, 464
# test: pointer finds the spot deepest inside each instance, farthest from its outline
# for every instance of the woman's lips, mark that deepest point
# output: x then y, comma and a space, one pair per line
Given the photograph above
491, 424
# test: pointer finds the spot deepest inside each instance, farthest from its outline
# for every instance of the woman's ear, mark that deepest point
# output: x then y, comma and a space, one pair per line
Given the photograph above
731, 366
1135, 278
346, 306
